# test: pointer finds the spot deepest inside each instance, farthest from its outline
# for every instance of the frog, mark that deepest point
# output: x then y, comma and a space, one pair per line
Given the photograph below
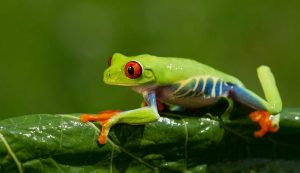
184, 84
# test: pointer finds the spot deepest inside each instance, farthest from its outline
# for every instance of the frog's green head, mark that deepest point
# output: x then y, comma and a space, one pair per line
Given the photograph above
128, 71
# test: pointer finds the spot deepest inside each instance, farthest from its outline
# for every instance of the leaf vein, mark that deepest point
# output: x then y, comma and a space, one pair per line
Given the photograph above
185, 144
11, 153
111, 159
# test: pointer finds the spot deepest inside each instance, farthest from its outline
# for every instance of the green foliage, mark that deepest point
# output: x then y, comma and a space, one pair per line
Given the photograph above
53, 53
61, 143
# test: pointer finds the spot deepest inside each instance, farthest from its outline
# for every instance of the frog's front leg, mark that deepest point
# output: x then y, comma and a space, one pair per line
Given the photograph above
267, 114
135, 117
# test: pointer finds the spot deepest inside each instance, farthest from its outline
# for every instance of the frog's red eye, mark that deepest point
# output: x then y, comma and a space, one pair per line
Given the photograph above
133, 70
109, 61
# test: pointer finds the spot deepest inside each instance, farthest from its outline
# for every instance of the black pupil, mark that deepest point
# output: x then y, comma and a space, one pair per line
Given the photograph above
131, 70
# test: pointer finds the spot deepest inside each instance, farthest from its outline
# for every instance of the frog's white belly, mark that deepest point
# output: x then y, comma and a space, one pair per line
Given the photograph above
165, 95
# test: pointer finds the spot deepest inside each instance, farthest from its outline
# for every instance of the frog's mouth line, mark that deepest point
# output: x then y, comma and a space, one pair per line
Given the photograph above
111, 81
127, 84
118, 83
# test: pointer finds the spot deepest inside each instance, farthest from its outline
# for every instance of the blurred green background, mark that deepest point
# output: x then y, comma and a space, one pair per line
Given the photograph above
53, 52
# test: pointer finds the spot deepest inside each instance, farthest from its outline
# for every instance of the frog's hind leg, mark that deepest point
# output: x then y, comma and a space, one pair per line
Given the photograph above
266, 109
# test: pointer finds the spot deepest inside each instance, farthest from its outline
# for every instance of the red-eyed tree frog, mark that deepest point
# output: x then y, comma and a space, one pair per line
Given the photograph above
184, 83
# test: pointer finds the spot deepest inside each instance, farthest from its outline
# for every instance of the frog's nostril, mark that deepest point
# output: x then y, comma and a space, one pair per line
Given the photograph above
108, 74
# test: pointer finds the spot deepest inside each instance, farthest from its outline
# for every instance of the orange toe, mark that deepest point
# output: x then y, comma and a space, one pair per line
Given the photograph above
102, 139
83, 118
263, 118
102, 116
260, 133
103, 136
110, 111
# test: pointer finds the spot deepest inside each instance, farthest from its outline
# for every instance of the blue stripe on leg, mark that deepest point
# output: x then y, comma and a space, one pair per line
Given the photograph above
150, 98
218, 88
208, 87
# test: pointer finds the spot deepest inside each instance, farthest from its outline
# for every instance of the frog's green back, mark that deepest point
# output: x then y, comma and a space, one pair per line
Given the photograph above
172, 69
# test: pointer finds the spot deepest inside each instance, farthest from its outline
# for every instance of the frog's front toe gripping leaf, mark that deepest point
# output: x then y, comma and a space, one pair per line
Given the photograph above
267, 122
103, 118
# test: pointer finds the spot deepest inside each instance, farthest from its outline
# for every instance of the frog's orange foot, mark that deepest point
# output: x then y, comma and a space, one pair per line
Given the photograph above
103, 136
263, 118
103, 117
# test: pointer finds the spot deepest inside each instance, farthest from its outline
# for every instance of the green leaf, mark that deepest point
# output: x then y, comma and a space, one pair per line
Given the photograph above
61, 143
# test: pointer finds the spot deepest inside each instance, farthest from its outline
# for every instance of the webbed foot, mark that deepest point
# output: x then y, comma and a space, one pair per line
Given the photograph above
264, 119
103, 118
